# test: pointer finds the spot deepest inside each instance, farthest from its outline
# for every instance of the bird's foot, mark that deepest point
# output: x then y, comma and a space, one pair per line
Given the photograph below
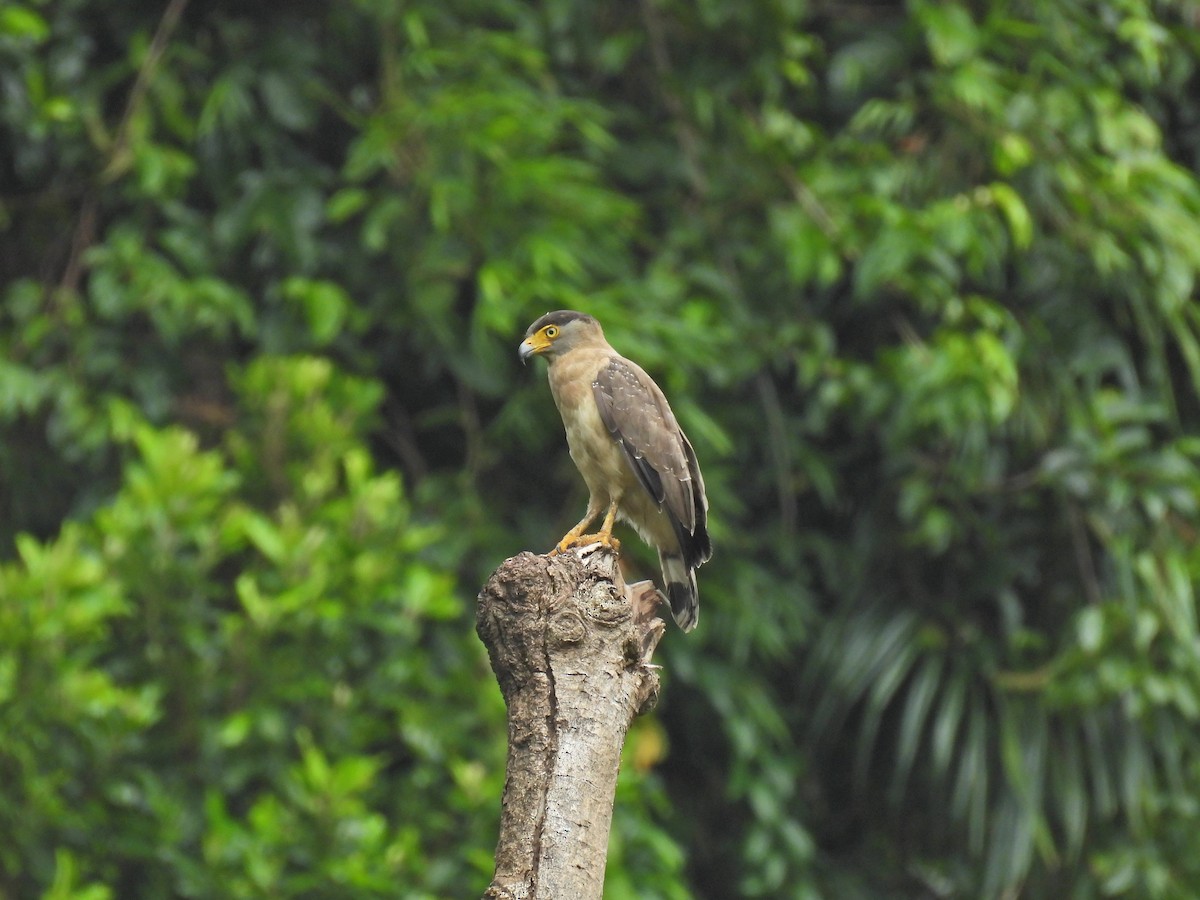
584, 540
575, 538
571, 540
604, 538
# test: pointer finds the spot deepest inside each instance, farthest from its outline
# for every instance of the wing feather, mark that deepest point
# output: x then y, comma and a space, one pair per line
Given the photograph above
637, 414
699, 549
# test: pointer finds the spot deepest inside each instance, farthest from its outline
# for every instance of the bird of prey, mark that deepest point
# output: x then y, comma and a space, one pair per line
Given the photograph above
638, 464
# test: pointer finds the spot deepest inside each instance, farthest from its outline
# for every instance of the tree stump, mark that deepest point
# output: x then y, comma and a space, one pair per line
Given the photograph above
570, 644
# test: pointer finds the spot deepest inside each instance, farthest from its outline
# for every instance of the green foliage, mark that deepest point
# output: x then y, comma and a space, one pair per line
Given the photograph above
920, 281
228, 682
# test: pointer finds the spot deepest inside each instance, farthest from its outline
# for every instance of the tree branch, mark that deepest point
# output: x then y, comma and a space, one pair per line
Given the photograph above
570, 644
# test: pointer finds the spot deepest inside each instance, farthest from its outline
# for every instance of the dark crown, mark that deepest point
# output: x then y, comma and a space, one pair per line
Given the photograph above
558, 317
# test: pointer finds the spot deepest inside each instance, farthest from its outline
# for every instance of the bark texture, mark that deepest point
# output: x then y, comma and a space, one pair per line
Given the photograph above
570, 644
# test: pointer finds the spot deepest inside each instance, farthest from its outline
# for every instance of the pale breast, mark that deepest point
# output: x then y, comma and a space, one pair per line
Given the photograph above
598, 457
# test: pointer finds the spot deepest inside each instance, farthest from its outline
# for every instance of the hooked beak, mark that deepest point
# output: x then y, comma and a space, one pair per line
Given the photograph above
531, 346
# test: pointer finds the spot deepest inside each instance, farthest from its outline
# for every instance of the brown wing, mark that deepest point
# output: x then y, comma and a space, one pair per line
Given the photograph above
637, 414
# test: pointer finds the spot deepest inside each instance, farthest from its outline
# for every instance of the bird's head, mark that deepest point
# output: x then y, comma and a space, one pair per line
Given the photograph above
557, 333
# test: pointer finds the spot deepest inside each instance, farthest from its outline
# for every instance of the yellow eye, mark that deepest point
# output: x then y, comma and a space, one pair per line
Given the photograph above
551, 331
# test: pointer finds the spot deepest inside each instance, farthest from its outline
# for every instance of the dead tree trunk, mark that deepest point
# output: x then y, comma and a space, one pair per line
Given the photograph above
570, 644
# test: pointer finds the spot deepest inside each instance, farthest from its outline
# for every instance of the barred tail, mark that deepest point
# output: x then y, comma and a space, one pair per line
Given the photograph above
680, 581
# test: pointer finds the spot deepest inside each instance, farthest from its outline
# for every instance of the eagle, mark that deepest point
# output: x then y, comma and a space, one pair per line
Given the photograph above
638, 464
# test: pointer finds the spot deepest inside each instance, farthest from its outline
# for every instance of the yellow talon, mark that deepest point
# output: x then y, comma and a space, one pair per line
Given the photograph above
575, 536
600, 538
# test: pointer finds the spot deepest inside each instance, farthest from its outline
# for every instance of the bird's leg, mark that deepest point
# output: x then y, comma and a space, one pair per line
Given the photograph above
605, 535
571, 538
